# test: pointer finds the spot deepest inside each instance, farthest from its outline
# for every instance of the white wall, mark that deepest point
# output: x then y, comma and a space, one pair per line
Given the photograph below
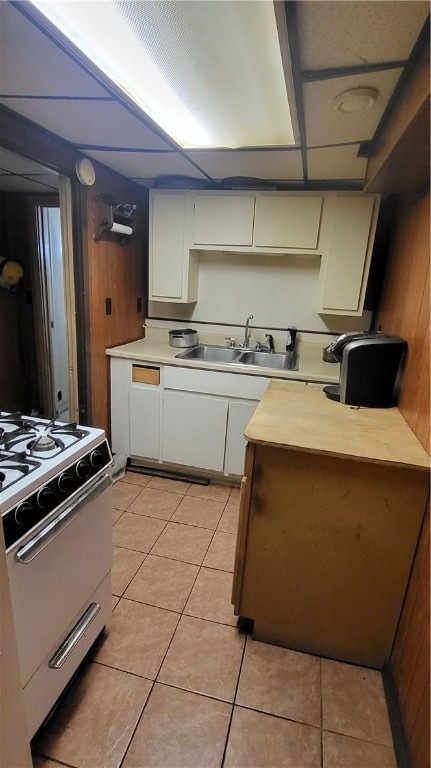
279, 290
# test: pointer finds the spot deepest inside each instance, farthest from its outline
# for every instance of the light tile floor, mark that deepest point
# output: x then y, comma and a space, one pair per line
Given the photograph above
174, 683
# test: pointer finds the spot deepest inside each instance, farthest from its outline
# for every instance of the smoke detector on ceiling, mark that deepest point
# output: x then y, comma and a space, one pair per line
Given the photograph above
355, 100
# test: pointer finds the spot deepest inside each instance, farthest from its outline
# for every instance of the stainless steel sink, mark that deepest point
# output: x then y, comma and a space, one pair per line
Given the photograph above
211, 354
287, 361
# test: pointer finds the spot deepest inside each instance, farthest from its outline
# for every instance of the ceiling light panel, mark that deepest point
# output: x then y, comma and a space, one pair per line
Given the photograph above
209, 73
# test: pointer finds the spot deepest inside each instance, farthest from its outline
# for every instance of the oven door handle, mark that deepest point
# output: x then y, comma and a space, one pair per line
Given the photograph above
72, 640
29, 551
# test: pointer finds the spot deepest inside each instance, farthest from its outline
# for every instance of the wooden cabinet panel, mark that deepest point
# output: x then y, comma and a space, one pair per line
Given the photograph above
223, 219
117, 271
326, 564
405, 311
285, 221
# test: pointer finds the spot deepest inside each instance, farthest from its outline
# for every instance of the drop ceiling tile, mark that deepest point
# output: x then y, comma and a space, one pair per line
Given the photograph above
341, 34
147, 183
145, 165
274, 164
22, 184
336, 163
12, 163
33, 65
324, 125
100, 123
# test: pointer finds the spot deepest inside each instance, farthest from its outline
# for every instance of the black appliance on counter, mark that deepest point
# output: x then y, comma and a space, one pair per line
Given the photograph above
371, 364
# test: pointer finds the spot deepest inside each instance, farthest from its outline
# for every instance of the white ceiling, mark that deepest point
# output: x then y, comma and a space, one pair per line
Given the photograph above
42, 82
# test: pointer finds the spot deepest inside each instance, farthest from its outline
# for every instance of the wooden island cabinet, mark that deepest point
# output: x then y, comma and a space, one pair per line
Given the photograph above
332, 502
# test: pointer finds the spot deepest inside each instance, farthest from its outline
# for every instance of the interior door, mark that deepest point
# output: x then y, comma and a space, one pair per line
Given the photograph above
53, 365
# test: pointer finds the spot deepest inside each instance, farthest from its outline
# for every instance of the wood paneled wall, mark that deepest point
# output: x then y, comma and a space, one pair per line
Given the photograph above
117, 272
405, 310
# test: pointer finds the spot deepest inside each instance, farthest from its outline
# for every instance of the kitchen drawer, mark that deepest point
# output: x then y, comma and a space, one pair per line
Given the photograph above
46, 685
145, 375
215, 383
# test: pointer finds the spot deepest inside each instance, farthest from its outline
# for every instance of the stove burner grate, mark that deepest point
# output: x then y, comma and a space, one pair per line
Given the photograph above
45, 438
14, 466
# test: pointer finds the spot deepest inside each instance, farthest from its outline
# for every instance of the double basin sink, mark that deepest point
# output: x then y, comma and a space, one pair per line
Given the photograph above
287, 361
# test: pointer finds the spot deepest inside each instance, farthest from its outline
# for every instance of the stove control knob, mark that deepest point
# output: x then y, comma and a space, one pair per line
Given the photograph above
97, 459
65, 482
83, 469
45, 497
23, 512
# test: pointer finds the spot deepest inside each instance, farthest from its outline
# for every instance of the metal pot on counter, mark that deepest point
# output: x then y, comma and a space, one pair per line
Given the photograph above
183, 337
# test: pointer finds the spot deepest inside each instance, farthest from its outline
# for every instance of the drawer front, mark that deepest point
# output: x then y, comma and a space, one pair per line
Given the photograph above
46, 685
215, 383
146, 375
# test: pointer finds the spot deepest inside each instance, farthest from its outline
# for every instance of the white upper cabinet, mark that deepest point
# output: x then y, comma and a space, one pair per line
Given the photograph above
347, 254
287, 221
173, 272
338, 226
223, 220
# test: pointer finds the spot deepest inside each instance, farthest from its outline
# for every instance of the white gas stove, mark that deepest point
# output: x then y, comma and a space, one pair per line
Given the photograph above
56, 513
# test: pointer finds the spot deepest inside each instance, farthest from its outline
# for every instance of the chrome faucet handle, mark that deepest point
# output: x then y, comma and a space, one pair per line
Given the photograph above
247, 331
231, 340
270, 338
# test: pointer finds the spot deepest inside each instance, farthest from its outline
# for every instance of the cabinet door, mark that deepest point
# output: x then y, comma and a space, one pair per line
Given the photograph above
167, 246
287, 221
194, 430
348, 255
239, 415
144, 417
223, 219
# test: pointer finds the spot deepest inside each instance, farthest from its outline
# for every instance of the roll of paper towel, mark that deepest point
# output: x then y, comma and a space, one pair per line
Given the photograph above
122, 229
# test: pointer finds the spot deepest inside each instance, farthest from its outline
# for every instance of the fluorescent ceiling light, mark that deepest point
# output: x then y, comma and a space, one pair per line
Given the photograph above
210, 73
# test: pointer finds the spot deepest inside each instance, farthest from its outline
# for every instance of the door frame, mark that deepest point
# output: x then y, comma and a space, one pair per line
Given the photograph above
40, 299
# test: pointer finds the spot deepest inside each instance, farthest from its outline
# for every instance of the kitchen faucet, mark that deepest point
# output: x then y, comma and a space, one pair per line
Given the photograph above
247, 332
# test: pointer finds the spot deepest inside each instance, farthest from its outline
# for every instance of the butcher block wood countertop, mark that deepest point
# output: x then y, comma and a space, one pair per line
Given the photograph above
299, 416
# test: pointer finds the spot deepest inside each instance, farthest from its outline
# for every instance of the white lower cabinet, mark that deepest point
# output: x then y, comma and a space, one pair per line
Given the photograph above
240, 413
144, 421
194, 430
188, 417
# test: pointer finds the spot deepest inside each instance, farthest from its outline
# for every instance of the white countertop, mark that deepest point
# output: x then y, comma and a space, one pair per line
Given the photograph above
156, 349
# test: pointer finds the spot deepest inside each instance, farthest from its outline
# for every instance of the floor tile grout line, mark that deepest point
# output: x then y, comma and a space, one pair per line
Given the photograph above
278, 717
127, 480
178, 493
52, 759
233, 703
138, 569
367, 740
137, 724
163, 520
